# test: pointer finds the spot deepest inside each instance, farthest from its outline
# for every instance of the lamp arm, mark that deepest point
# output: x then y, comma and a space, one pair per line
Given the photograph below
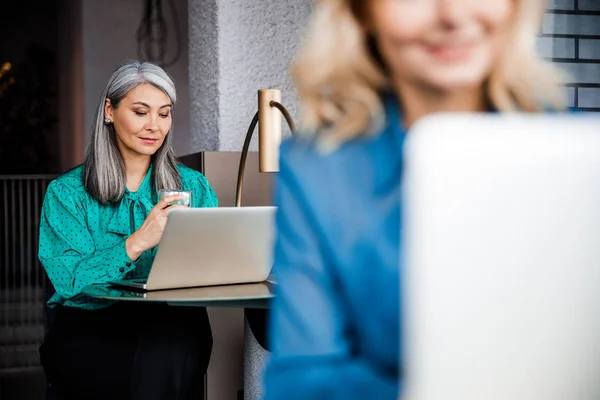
286, 114
240, 178
246, 147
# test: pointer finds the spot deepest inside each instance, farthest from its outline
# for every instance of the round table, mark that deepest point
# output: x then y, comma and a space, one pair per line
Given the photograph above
247, 295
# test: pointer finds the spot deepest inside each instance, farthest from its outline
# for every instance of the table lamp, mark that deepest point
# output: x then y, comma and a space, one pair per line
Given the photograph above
268, 118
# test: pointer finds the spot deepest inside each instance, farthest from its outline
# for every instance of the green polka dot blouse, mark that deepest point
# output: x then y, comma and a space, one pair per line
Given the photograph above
82, 241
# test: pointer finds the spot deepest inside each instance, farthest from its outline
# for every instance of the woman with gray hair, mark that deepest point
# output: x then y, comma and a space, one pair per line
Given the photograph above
102, 222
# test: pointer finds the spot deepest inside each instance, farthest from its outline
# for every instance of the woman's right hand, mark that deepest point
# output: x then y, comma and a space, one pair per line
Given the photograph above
149, 234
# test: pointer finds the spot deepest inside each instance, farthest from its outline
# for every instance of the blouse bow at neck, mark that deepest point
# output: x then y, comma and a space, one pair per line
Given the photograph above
133, 208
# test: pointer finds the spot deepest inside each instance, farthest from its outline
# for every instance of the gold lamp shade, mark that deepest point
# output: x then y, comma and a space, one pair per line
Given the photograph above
269, 130
268, 118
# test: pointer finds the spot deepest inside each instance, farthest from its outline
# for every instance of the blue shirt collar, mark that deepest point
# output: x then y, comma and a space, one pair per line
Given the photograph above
393, 118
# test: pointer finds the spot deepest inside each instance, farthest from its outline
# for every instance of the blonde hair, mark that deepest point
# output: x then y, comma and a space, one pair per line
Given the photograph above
339, 78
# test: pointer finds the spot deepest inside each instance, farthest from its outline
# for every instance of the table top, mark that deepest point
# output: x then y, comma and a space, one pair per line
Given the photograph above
248, 295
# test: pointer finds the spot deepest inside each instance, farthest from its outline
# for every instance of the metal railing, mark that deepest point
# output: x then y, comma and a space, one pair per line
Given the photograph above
22, 279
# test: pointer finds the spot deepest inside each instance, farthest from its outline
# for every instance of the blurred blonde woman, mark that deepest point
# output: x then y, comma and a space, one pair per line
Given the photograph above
370, 69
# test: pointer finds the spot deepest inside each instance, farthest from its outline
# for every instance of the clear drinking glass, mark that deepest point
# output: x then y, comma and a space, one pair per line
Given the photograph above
187, 196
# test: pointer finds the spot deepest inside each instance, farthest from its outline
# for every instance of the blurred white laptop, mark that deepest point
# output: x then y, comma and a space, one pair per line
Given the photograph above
211, 246
502, 258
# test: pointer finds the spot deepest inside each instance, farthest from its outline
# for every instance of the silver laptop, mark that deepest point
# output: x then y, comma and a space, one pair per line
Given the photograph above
501, 269
211, 246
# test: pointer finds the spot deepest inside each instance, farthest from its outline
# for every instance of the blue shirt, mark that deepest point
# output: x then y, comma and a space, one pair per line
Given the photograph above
335, 319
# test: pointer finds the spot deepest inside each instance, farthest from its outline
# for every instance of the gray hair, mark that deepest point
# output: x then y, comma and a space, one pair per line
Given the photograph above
104, 169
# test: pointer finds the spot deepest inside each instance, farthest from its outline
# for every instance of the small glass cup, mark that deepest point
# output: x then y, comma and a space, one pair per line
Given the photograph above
187, 196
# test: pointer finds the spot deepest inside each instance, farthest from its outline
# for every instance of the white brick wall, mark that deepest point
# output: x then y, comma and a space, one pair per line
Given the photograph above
570, 36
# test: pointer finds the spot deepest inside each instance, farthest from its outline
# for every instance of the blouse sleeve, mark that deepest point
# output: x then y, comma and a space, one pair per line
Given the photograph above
312, 355
66, 249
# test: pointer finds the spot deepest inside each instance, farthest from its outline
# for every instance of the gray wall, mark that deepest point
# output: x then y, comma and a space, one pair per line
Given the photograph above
571, 37
236, 48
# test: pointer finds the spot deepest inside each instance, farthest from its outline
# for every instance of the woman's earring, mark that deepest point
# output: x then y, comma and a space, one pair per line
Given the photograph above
107, 121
